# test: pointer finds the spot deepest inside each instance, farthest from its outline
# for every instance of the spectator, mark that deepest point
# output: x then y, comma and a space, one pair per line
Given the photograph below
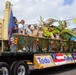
21, 28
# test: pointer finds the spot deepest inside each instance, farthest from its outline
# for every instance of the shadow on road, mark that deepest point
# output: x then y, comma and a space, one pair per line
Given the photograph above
60, 70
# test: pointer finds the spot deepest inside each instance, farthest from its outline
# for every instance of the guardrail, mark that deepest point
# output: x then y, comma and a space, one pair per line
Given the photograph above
38, 44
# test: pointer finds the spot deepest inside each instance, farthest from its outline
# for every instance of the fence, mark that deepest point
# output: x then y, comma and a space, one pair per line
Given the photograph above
37, 44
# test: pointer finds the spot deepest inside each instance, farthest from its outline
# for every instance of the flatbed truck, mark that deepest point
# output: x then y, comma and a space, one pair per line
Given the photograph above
39, 53
20, 63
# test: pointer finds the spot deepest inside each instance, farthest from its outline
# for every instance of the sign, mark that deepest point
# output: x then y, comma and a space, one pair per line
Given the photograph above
59, 59
68, 57
43, 61
74, 56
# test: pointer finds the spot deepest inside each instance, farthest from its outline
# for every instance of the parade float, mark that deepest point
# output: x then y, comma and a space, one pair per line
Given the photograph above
27, 53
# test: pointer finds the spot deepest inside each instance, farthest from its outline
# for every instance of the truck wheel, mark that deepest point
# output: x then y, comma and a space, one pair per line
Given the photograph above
19, 68
4, 68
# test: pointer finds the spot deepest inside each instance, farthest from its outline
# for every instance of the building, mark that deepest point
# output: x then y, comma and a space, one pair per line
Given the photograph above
4, 25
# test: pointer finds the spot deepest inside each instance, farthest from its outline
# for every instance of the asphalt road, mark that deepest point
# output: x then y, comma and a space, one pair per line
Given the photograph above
63, 70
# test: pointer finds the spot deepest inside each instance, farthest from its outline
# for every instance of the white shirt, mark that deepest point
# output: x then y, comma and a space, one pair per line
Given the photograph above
28, 31
22, 28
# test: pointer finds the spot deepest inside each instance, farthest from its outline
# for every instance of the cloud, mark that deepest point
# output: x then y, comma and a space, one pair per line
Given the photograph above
31, 10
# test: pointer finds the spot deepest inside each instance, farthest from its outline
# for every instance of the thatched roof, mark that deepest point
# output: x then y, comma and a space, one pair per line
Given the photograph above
49, 21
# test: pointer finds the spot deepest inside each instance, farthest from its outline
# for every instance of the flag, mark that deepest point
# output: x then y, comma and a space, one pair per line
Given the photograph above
74, 56
10, 26
59, 59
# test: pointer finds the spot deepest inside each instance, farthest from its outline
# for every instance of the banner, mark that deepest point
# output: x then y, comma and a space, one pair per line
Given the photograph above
68, 57
42, 61
58, 59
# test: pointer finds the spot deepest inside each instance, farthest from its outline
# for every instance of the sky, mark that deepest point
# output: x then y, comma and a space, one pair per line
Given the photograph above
31, 10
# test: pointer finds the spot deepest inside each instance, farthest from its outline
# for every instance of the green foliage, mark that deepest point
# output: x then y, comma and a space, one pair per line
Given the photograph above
56, 31
68, 32
66, 44
46, 32
60, 22
66, 36
74, 45
65, 23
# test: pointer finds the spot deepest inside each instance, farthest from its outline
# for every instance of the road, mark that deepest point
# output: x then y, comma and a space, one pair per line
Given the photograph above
63, 70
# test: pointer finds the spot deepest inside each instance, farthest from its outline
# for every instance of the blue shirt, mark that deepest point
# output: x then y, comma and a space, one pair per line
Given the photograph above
15, 29
73, 38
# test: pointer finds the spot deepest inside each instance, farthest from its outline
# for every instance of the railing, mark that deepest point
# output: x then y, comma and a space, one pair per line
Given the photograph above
36, 44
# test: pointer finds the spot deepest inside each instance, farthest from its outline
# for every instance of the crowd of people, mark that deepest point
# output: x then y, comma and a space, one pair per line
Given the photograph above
40, 31
23, 29
29, 30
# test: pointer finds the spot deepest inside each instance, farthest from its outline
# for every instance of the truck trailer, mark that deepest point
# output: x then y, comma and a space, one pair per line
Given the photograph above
32, 52
29, 53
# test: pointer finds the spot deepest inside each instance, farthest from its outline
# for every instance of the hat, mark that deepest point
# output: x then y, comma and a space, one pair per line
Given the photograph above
22, 20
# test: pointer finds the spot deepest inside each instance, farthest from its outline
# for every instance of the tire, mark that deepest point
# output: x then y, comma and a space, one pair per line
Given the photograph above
19, 68
4, 68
